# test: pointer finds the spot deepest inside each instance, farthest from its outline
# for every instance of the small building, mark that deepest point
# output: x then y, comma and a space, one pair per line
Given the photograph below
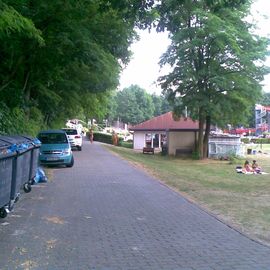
179, 136
224, 145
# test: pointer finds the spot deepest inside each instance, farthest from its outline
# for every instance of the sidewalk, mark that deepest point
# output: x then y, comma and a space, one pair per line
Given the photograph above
104, 214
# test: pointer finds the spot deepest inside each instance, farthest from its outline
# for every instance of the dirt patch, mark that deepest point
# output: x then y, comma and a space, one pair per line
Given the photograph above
29, 264
55, 220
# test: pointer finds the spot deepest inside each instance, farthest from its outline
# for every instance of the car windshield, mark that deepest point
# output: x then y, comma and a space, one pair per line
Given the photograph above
52, 138
71, 131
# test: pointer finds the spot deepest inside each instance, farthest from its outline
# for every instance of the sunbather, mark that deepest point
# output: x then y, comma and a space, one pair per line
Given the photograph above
256, 168
247, 168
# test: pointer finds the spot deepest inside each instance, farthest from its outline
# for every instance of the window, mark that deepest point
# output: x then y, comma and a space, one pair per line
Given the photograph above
52, 138
148, 140
163, 139
155, 140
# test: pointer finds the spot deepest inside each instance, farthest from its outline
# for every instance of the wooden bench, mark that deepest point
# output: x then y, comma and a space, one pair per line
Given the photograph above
148, 150
183, 151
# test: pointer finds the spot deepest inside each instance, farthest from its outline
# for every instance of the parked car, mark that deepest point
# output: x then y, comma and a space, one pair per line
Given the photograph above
74, 137
55, 148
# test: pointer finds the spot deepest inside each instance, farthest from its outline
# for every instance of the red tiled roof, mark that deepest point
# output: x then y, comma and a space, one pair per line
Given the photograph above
166, 122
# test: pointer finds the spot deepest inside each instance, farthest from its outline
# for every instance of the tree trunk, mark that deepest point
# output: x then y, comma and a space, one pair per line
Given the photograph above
206, 136
27, 94
200, 137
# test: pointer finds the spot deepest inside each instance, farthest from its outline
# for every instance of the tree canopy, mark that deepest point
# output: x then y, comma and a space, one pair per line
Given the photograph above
59, 58
265, 100
134, 105
217, 63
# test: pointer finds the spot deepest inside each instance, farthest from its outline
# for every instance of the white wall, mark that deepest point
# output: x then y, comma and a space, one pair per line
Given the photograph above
177, 140
180, 140
138, 140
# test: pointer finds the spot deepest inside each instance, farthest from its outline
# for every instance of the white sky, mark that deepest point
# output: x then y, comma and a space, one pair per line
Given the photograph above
144, 70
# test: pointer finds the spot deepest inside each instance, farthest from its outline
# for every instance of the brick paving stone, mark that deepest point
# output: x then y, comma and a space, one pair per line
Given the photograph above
104, 214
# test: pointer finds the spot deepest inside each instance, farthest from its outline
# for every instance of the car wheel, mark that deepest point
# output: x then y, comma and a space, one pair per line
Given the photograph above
3, 212
71, 163
27, 187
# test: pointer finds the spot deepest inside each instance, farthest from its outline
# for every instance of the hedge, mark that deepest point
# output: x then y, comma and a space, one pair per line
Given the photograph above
105, 138
245, 140
256, 140
127, 144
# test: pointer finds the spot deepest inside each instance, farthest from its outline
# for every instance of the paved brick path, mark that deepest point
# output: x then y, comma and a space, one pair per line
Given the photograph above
104, 214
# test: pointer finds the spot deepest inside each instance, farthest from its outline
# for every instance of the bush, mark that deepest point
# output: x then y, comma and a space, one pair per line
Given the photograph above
195, 155
256, 140
245, 140
126, 144
261, 141
102, 137
105, 138
17, 121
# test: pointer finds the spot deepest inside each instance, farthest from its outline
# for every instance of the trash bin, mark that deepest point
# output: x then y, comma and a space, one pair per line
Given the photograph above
249, 151
21, 166
34, 157
7, 156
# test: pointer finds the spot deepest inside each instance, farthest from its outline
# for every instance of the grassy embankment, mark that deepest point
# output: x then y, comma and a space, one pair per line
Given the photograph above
240, 200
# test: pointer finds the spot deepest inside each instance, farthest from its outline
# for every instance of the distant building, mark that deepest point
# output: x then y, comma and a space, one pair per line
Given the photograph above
223, 145
262, 119
180, 137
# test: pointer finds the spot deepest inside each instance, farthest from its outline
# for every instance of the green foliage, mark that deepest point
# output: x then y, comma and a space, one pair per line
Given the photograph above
102, 137
234, 159
134, 105
12, 22
106, 138
63, 58
126, 144
256, 140
245, 140
214, 59
161, 104
261, 141
16, 122
265, 100
195, 155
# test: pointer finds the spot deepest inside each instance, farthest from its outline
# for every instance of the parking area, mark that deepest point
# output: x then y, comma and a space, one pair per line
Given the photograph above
105, 214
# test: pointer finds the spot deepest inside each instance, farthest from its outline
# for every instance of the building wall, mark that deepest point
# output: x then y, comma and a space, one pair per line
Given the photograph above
224, 146
138, 140
175, 140
180, 140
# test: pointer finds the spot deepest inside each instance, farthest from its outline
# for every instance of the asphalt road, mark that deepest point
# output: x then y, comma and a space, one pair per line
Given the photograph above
105, 214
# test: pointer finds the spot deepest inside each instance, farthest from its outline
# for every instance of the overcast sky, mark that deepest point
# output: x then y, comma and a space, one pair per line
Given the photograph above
144, 70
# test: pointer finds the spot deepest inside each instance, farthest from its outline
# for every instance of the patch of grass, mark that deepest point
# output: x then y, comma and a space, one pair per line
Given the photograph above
240, 200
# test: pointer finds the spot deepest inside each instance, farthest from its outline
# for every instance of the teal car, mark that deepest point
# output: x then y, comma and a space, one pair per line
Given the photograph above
55, 148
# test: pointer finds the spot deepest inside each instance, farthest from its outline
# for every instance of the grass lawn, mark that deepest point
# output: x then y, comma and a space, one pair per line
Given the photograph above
264, 148
240, 200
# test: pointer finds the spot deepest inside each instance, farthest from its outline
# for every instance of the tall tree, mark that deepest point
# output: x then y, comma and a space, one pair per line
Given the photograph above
132, 105
217, 63
161, 104
265, 100
55, 53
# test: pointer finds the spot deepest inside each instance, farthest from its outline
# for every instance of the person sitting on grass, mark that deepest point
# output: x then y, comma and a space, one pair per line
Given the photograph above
247, 168
256, 168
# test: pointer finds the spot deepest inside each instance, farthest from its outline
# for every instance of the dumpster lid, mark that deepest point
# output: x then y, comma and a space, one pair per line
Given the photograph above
22, 144
7, 149
34, 141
